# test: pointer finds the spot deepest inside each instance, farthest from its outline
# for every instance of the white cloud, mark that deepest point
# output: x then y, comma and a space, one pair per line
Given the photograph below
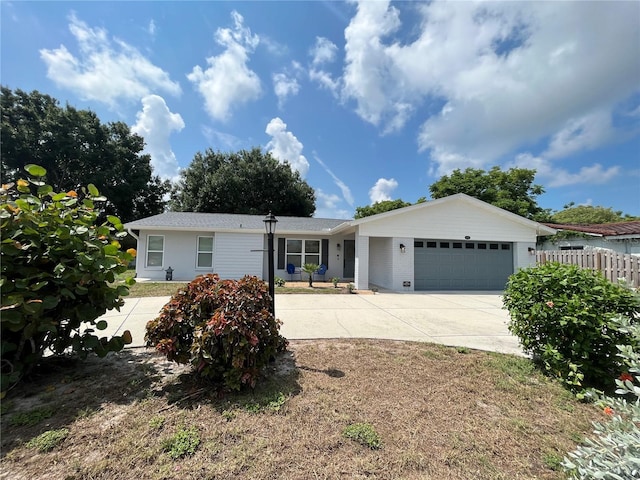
559, 177
284, 146
155, 123
382, 190
346, 191
324, 51
284, 87
105, 70
508, 73
221, 140
228, 81
584, 133
327, 206
152, 28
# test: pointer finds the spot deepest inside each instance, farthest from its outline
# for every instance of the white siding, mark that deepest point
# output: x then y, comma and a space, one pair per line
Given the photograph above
403, 264
232, 256
239, 254
523, 256
454, 220
381, 262
362, 262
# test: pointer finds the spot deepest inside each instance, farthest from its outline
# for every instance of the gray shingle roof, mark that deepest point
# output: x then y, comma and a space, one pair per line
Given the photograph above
230, 221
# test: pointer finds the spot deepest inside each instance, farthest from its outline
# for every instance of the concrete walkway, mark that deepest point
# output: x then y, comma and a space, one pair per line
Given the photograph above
473, 320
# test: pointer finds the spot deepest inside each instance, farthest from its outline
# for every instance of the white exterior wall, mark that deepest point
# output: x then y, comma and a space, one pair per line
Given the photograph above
454, 220
403, 264
629, 245
334, 269
381, 262
523, 257
232, 256
361, 279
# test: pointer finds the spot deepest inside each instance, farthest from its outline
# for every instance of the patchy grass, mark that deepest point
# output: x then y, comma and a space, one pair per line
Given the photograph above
434, 411
165, 289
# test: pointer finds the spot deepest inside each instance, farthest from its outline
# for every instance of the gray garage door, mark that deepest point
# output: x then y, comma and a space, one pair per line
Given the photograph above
462, 265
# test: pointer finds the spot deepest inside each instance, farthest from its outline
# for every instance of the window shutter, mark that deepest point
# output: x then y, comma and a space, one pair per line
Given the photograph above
281, 253
325, 252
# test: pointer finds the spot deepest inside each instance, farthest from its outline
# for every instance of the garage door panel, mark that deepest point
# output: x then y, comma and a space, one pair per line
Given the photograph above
455, 265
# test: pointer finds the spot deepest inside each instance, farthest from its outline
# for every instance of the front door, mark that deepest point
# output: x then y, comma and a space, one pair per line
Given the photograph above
348, 268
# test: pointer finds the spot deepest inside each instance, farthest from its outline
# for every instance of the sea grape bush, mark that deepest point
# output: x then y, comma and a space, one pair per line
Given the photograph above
564, 316
57, 268
223, 328
614, 452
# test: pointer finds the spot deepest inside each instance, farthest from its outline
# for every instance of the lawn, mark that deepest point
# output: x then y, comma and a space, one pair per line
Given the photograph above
327, 409
162, 289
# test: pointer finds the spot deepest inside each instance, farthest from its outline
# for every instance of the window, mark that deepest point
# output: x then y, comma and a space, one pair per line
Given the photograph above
205, 252
432, 244
457, 245
493, 246
469, 245
155, 250
444, 244
482, 246
574, 247
300, 252
418, 244
506, 246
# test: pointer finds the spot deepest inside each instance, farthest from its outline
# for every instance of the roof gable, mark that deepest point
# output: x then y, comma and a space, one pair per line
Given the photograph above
459, 198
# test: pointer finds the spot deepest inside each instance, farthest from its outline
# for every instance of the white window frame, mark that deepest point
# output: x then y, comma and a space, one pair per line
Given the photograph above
198, 252
303, 254
154, 251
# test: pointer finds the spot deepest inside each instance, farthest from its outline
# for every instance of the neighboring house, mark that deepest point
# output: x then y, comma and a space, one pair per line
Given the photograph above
452, 243
620, 237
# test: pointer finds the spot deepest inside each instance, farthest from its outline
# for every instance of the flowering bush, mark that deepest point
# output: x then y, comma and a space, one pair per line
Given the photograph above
58, 267
615, 451
563, 315
224, 328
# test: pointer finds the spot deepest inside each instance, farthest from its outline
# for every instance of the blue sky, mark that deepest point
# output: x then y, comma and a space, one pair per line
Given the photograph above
368, 100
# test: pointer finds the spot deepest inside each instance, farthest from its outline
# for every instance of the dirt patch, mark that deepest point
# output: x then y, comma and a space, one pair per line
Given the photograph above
440, 413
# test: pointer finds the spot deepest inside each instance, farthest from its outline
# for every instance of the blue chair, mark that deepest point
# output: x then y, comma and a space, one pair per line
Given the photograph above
321, 271
291, 270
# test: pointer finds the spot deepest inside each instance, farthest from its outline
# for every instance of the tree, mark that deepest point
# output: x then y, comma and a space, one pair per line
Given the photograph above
512, 190
58, 265
76, 148
588, 215
249, 182
380, 207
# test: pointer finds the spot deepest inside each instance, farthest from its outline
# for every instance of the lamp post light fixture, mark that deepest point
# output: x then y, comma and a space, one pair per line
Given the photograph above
270, 226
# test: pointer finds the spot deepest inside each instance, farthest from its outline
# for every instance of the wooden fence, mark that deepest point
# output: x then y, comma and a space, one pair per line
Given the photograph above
613, 265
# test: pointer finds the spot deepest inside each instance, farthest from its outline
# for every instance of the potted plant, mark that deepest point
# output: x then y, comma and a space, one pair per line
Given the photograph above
335, 281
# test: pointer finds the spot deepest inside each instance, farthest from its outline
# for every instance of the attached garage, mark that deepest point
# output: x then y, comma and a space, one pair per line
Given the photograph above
461, 265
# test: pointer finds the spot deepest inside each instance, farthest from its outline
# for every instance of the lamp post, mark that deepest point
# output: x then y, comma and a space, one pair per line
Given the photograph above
270, 226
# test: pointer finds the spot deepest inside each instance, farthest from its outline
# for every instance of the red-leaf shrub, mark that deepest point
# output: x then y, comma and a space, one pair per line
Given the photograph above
224, 328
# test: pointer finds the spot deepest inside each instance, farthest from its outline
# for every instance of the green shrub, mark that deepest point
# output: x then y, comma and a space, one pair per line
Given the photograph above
563, 316
183, 442
364, 434
57, 267
614, 453
224, 328
280, 282
48, 440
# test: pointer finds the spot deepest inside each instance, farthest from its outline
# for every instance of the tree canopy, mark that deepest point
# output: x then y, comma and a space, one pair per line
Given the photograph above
512, 190
76, 148
589, 215
381, 207
249, 182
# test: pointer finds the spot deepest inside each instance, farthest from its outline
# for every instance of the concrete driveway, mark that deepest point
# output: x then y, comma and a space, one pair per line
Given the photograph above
473, 320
